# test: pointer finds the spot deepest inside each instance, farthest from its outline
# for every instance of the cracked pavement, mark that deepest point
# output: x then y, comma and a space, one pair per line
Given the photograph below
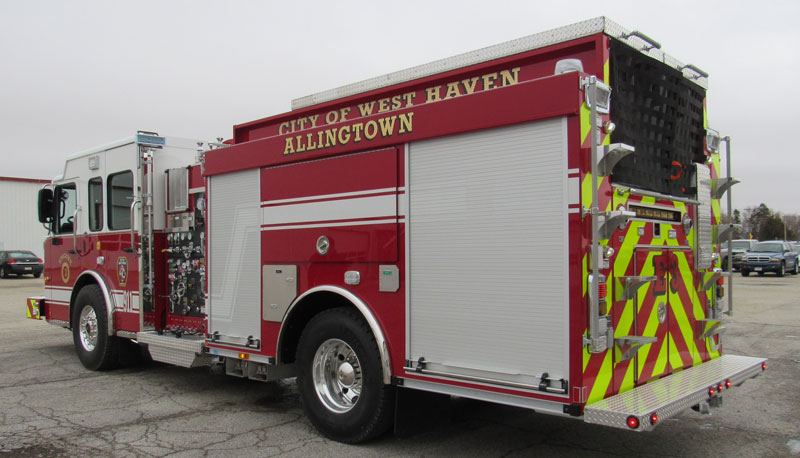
51, 406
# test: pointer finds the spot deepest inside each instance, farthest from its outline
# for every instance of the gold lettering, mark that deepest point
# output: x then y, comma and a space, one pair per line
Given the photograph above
433, 94
405, 123
293, 124
509, 77
311, 146
330, 137
452, 91
289, 147
396, 102
387, 125
469, 85
366, 108
383, 105
344, 139
302, 122
343, 112
332, 117
488, 81
313, 120
374, 126
283, 129
409, 98
300, 146
357, 128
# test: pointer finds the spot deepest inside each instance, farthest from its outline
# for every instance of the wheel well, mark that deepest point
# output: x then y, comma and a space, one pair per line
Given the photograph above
301, 314
85, 280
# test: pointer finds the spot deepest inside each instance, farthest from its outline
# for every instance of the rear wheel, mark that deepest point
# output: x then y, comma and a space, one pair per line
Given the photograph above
37, 275
745, 273
796, 269
781, 270
96, 349
4, 272
340, 378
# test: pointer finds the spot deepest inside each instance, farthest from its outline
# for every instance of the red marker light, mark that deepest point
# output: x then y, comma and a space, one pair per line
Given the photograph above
602, 290
728, 383
12, 261
720, 387
712, 391
633, 422
720, 281
763, 366
654, 419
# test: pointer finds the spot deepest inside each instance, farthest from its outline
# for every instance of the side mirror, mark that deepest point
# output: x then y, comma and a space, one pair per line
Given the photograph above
46, 205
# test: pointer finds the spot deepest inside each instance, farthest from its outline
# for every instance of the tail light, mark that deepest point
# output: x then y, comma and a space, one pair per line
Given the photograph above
633, 422
12, 261
602, 290
720, 281
763, 366
720, 387
41, 261
728, 383
712, 391
654, 419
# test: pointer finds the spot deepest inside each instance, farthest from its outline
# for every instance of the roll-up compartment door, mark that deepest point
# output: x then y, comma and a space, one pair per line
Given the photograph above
488, 257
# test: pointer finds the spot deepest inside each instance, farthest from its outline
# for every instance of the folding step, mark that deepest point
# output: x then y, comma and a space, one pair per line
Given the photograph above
673, 394
184, 351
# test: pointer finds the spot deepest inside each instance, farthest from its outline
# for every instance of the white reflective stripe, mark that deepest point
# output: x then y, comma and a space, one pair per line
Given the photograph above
344, 223
574, 190
329, 196
60, 294
126, 301
331, 210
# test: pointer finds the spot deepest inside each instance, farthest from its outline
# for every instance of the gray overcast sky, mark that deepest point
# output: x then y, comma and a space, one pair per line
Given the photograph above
78, 74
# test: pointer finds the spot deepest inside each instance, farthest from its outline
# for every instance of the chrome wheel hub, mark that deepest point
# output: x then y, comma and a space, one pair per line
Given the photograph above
337, 376
87, 327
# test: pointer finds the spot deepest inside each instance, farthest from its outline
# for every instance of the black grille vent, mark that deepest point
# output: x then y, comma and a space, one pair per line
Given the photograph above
660, 113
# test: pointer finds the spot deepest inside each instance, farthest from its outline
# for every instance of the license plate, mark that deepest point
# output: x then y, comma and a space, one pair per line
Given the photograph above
28, 268
758, 269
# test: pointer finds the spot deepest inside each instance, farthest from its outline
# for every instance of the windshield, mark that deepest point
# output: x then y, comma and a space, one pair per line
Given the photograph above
768, 247
741, 245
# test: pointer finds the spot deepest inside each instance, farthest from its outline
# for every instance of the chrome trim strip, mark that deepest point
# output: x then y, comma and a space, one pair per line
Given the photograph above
663, 247
489, 381
63, 324
380, 340
540, 405
658, 195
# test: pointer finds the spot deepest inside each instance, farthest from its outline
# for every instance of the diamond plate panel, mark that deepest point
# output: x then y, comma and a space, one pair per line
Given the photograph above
671, 395
184, 352
531, 42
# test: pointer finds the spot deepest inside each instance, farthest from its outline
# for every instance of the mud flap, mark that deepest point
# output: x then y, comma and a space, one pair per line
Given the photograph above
418, 411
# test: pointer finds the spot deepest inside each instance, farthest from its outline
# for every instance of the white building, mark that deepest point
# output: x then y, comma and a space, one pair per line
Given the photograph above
20, 228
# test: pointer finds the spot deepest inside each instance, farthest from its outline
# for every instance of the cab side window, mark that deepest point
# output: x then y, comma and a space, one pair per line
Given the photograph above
67, 197
120, 198
95, 204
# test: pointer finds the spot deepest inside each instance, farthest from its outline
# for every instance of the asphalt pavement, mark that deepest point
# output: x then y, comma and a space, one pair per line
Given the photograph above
51, 406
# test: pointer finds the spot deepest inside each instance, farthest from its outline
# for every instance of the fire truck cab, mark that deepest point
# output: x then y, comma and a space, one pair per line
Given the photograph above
534, 224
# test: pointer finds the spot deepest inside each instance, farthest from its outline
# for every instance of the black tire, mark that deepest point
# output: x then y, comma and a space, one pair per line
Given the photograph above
796, 269
4, 272
781, 270
745, 273
724, 263
96, 349
37, 275
340, 334
761, 274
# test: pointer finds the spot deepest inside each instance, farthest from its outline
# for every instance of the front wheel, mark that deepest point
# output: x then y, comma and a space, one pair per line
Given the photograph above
340, 378
796, 268
745, 273
781, 270
96, 349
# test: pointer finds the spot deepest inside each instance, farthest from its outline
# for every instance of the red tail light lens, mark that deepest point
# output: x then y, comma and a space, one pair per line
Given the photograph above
602, 290
763, 366
654, 419
720, 281
41, 261
633, 422
720, 387
728, 383
712, 391
12, 261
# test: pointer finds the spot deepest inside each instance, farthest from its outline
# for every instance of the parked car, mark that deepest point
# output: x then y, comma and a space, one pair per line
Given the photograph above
20, 262
774, 256
739, 247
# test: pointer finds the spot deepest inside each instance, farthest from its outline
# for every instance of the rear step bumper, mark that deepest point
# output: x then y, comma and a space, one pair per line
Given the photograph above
672, 395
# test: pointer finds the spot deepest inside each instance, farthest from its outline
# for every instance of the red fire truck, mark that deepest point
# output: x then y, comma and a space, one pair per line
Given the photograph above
533, 224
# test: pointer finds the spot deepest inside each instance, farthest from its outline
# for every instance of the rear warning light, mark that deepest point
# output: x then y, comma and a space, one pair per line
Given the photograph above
763, 366
602, 290
42, 262
712, 391
633, 422
720, 281
728, 383
654, 419
720, 387
12, 261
